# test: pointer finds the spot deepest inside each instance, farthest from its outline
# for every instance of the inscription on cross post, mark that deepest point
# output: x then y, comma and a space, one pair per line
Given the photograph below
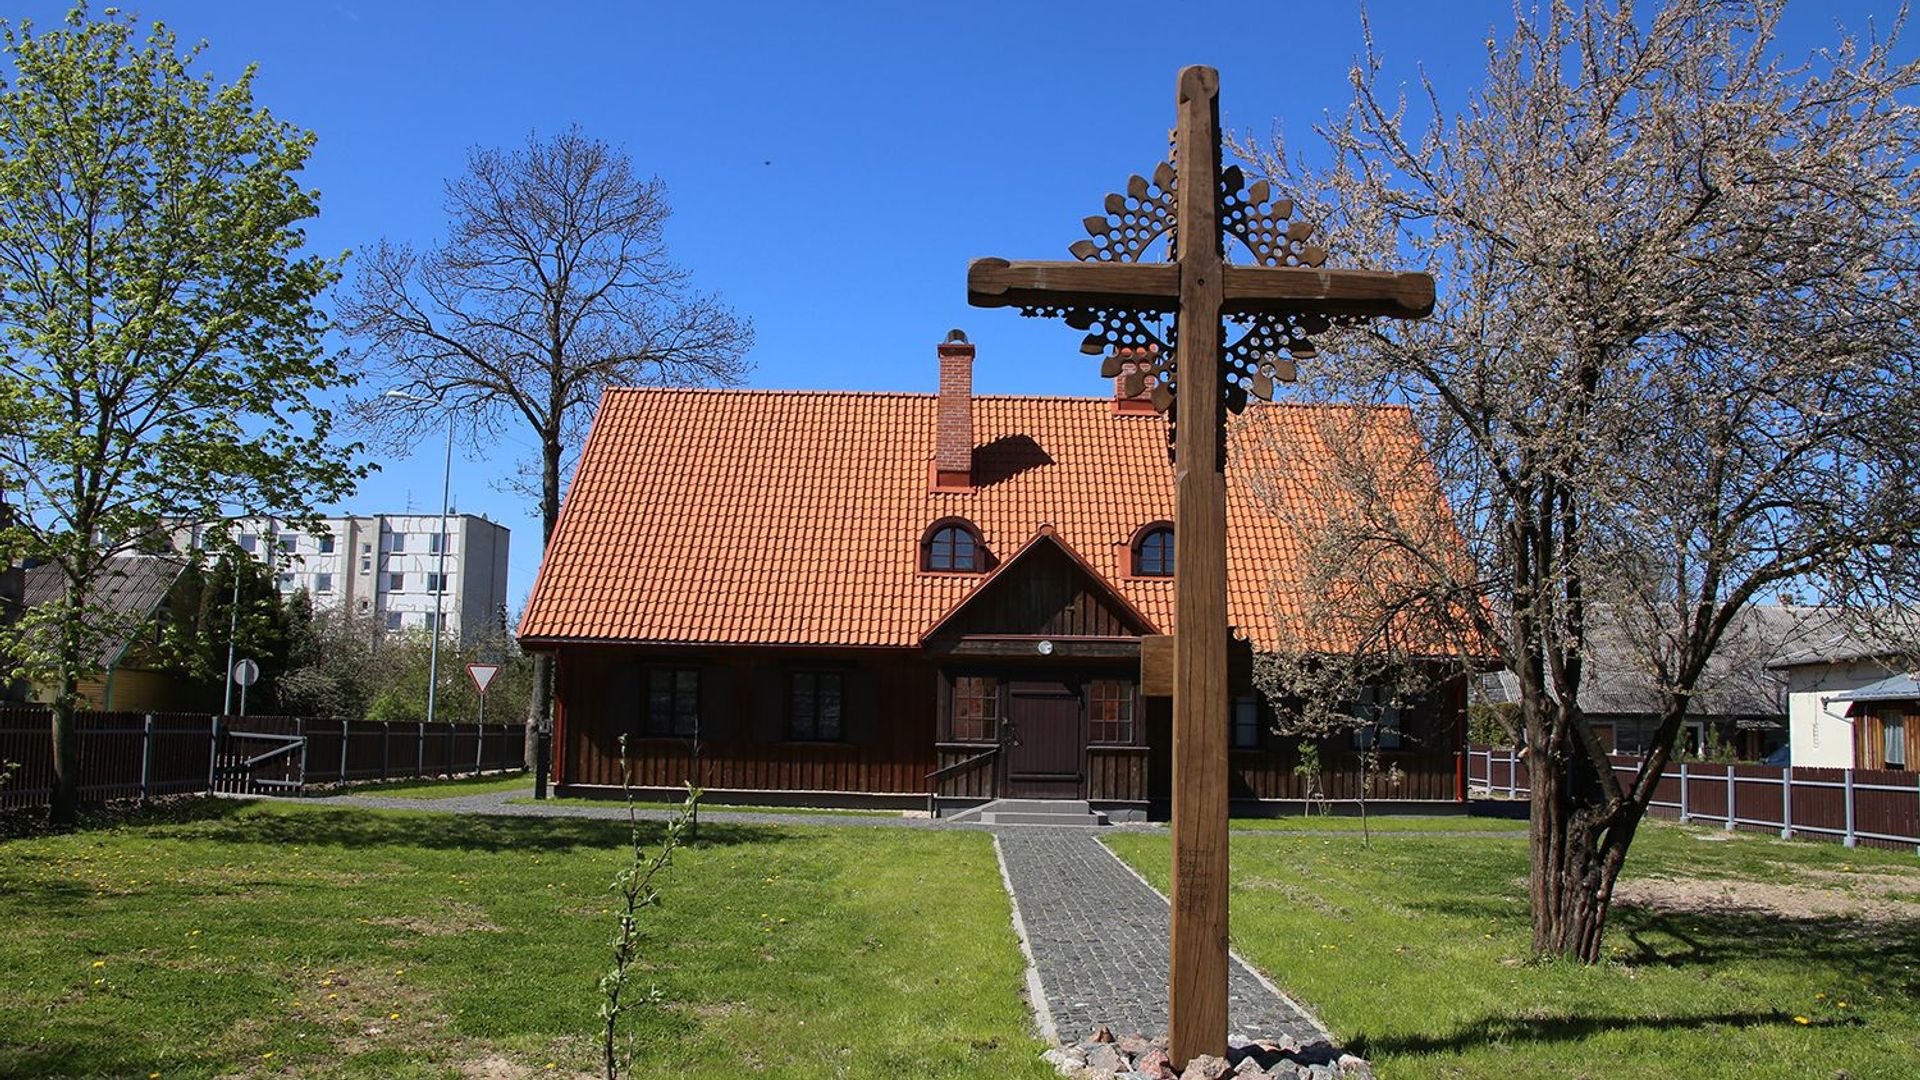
1279, 300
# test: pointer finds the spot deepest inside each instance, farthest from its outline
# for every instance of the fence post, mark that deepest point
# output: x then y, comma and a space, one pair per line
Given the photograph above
346, 729
1730, 800
420, 751
386, 746
146, 759
213, 752
1786, 803
1513, 771
1683, 793
1848, 775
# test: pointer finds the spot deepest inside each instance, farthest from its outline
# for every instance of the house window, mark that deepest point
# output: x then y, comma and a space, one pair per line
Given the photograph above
1380, 720
397, 541
1245, 734
976, 709
953, 547
1153, 552
326, 545
366, 564
393, 620
436, 542
286, 582
289, 542
396, 583
322, 583
249, 543
437, 582
815, 706
673, 702
432, 621
1893, 734
366, 605
1110, 711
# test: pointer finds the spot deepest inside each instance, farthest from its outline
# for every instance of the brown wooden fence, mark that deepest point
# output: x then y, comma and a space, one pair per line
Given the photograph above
1877, 807
130, 755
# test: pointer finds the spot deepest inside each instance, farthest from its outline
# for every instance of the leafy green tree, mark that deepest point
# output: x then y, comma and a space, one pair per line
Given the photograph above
194, 641
160, 352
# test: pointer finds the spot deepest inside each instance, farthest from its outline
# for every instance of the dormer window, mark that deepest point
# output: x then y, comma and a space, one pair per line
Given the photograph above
1153, 551
952, 547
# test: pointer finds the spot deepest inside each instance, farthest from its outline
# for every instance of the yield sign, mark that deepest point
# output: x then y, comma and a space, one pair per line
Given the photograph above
482, 675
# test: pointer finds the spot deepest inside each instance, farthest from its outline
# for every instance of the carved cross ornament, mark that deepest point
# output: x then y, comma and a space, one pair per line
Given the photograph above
1131, 309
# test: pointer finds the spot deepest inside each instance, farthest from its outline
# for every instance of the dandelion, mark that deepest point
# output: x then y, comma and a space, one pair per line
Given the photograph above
1801, 1020
99, 963
393, 1016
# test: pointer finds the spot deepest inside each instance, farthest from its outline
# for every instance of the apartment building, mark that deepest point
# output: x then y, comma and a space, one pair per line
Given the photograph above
388, 567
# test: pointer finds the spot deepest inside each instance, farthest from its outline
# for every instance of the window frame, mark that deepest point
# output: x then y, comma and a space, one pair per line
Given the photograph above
1385, 728
1893, 735
323, 582
1137, 548
1238, 709
396, 581
1125, 726
669, 724
930, 539
993, 694
817, 680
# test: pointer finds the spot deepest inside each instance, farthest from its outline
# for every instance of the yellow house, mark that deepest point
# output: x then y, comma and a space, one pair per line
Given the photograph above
138, 591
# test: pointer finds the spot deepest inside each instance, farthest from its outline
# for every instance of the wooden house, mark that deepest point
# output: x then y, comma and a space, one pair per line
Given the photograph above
896, 599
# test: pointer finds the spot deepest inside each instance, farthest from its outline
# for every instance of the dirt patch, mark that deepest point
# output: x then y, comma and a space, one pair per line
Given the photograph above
500, 1067
1720, 896
452, 919
1894, 884
1296, 894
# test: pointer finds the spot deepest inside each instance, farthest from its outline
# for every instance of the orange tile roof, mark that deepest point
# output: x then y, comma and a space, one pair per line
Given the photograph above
772, 517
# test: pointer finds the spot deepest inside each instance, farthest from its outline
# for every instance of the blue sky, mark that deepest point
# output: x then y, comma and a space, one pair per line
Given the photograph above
832, 168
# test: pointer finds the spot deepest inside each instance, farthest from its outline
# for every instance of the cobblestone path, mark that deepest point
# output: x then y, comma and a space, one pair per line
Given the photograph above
1099, 940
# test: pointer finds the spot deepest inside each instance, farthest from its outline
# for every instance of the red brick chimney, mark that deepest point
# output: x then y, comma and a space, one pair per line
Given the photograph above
1140, 404
953, 437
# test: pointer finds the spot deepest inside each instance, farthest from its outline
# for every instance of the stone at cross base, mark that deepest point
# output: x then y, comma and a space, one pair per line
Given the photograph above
1282, 300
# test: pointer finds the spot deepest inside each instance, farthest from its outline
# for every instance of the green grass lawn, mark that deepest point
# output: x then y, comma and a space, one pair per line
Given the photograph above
448, 789
1416, 952
266, 940
1391, 823
707, 807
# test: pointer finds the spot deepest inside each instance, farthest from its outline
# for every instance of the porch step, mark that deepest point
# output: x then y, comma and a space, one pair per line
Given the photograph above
1033, 812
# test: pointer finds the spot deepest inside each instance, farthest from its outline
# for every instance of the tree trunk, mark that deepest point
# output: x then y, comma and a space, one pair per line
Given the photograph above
64, 809
1577, 857
540, 701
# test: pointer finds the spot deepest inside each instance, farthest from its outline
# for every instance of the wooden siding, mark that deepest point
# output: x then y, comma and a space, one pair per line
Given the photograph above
887, 743
1046, 595
1869, 735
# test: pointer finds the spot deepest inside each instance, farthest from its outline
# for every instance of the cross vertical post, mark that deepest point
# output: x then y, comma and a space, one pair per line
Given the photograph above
1197, 993
1280, 302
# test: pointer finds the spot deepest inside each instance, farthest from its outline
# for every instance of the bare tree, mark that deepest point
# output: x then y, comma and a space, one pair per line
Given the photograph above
553, 283
1672, 369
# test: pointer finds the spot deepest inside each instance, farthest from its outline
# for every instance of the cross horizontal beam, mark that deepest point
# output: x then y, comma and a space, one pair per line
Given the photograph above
1245, 290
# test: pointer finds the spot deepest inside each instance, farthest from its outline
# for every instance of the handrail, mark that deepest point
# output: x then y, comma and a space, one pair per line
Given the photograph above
937, 775
962, 766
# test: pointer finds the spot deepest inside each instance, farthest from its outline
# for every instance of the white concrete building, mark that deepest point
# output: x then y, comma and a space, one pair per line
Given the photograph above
1847, 711
388, 567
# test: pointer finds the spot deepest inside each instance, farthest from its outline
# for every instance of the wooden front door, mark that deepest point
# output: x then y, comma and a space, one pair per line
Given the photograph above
1046, 749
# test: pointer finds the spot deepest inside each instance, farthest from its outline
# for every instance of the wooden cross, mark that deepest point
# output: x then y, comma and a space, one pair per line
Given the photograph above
1282, 301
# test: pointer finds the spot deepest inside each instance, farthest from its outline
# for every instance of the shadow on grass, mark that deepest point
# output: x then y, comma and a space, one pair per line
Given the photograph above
1882, 954
237, 822
1517, 1031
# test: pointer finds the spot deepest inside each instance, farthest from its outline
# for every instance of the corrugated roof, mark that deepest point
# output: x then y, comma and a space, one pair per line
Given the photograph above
129, 588
760, 517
